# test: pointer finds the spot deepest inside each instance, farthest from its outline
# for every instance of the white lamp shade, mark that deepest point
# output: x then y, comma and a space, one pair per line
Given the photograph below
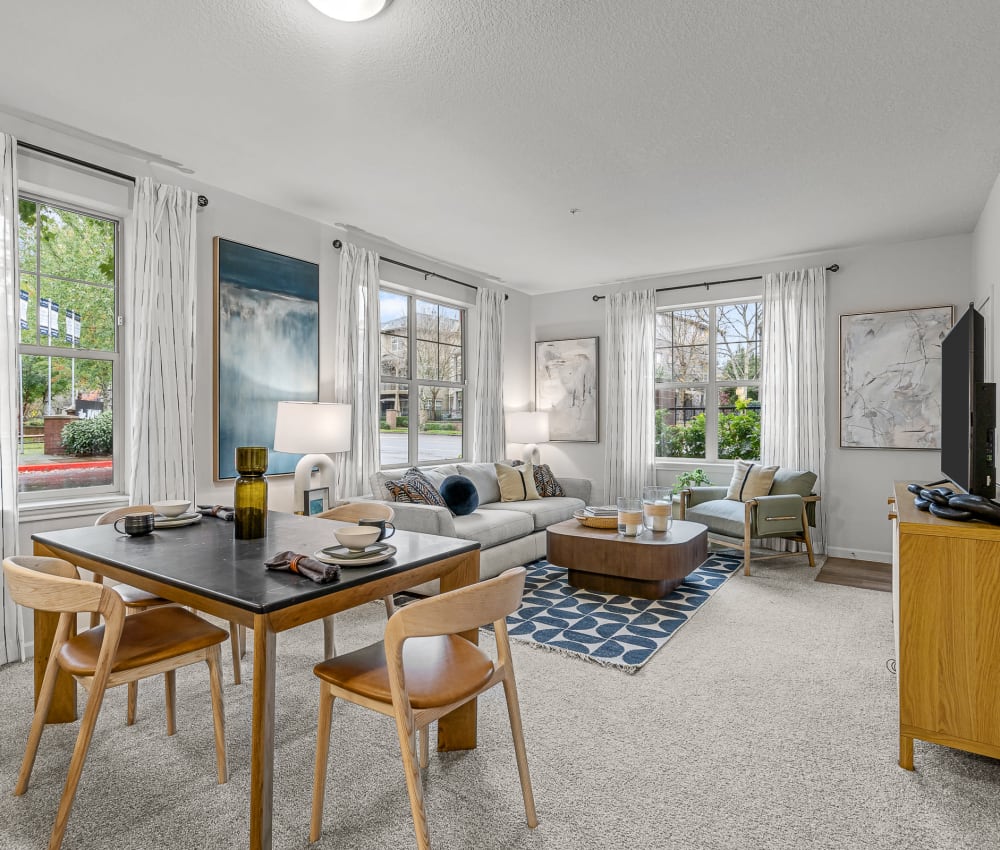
312, 427
350, 10
528, 427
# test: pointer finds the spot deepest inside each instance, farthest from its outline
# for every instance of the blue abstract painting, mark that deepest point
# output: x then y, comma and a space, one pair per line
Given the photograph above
267, 333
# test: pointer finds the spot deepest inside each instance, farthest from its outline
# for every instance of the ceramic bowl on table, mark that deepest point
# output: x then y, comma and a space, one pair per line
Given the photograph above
171, 507
357, 537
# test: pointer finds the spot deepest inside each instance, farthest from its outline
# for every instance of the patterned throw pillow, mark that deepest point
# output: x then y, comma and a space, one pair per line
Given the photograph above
545, 482
415, 487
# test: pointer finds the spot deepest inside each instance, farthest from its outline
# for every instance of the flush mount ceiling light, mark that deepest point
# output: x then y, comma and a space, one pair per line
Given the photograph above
350, 10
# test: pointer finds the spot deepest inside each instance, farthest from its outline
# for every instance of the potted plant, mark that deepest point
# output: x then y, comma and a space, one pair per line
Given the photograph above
694, 478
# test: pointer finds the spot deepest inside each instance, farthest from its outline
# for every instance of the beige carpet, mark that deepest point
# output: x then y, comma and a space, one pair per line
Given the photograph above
767, 722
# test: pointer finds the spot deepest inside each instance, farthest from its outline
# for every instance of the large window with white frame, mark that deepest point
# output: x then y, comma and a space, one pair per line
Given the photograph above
707, 381
68, 260
422, 390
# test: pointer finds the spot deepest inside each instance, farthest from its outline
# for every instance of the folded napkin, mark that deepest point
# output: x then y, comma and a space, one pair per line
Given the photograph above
304, 565
228, 514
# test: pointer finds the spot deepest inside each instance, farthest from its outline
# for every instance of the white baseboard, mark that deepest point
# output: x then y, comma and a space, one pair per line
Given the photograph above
859, 554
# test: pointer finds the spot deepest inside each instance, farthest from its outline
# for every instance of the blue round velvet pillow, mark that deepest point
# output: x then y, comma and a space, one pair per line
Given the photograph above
459, 494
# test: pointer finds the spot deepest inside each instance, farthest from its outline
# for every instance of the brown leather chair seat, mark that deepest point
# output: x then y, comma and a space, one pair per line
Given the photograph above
147, 637
439, 670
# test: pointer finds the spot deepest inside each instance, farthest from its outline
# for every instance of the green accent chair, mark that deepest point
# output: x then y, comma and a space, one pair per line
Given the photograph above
786, 512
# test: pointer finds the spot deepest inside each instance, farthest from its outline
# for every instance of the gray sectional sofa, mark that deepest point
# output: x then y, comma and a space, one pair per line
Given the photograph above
510, 533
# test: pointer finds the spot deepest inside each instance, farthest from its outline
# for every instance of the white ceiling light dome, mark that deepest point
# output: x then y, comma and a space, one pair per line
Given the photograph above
350, 10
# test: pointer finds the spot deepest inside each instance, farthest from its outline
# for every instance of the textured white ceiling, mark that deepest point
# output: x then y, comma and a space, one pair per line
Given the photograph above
689, 133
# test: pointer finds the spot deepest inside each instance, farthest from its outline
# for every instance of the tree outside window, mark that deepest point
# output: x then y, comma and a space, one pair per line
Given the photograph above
67, 262
707, 382
421, 402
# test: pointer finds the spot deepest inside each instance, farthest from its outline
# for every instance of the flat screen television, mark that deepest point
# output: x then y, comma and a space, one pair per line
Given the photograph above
968, 408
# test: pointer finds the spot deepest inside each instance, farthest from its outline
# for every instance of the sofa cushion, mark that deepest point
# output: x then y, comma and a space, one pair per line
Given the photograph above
543, 512
460, 495
750, 480
516, 485
484, 476
723, 516
793, 482
435, 474
491, 528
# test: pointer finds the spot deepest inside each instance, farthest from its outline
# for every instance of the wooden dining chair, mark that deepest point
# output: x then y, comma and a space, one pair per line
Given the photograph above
352, 512
123, 650
423, 670
139, 600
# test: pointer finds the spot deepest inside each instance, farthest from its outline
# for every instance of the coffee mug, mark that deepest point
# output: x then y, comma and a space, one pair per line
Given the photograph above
136, 525
382, 525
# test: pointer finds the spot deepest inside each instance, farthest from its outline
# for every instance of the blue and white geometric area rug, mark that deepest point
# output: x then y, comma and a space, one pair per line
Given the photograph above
613, 630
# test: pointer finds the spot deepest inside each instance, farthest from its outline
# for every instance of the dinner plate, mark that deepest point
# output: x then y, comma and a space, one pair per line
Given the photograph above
175, 521
368, 560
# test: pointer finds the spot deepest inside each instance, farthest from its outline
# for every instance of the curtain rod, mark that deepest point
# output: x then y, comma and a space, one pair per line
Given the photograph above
338, 245
202, 200
708, 283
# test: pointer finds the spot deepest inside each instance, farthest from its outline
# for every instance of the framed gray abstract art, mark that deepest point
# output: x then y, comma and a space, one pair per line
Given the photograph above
890, 378
566, 387
266, 348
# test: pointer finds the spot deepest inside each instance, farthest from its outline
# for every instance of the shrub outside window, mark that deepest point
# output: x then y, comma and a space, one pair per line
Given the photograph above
707, 382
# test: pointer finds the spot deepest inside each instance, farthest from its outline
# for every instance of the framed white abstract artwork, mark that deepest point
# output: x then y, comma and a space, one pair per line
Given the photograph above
890, 378
566, 386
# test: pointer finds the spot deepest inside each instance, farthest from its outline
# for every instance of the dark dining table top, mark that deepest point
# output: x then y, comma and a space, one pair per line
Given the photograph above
206, 558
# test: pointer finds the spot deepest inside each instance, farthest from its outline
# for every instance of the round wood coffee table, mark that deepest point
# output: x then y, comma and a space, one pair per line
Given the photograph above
648, 566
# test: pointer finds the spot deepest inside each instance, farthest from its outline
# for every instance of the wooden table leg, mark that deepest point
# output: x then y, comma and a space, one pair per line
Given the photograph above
262, 736
457, 731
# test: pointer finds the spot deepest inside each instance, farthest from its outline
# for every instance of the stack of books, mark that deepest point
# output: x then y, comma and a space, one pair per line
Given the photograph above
600, 510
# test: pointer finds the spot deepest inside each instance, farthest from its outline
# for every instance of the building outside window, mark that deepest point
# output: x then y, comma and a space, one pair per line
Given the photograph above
422, 393
68, 347
707, 382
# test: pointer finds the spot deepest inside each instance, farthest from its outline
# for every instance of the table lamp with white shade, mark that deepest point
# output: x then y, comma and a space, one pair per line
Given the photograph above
528, 427
316, 429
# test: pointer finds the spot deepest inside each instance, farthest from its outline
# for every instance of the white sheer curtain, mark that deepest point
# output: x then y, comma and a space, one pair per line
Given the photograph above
793, 421
356, 377
488, 442
161, 350
628, 342
10, 644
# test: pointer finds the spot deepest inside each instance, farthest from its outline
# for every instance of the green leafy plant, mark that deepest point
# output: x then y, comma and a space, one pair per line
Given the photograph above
89, 436
694, 478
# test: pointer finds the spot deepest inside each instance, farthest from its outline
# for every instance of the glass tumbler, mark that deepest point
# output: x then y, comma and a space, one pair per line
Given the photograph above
629, 516
657, 508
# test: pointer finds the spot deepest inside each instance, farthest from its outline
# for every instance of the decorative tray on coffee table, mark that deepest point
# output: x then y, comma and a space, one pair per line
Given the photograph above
596, 521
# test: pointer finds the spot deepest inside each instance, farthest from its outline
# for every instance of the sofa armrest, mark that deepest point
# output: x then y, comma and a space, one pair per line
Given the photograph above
577, 488
424, 519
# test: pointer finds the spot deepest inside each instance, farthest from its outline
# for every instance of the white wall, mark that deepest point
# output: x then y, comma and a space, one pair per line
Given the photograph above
986, 274
925, 273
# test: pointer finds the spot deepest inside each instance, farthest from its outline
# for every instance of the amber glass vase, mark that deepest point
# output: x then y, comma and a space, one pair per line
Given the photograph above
250, 494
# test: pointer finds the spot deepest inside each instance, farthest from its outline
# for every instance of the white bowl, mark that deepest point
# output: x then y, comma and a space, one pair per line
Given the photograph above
172, 507
357, 537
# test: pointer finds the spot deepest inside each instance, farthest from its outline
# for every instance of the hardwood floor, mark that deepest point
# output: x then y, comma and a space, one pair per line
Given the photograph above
868, 575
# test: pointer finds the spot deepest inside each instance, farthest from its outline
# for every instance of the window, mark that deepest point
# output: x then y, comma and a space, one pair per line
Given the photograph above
707, 382
68, 350
422, 393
